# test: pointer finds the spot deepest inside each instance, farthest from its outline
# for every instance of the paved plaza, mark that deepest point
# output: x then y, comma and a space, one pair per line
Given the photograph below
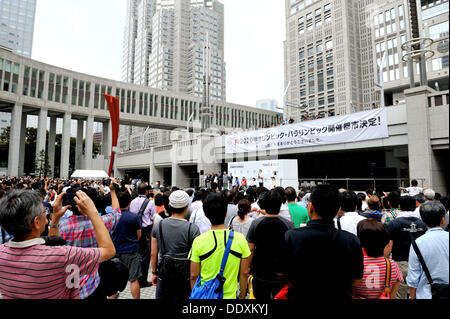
146, 293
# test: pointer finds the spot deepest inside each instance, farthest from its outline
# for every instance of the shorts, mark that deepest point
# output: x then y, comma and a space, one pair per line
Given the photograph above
133, 262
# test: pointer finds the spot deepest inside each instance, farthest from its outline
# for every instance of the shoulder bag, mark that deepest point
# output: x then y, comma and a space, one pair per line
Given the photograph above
387, 283
143, 208
213, 289
438, 291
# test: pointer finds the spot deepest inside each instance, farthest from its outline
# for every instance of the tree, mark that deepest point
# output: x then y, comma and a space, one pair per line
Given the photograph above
4, 136
42, 166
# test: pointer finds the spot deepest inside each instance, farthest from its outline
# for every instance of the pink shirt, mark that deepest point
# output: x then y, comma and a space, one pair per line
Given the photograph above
373, 283
30, 270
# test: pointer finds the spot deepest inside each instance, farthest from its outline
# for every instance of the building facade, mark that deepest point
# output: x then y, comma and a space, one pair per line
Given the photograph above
167, 42
17, 25
267, 104
334, 48
392, 30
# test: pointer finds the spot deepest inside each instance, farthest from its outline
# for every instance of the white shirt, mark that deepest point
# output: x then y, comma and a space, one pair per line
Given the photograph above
196, 205
364, 206
284, 212
413, 191
199, 218
349, 222
417, 212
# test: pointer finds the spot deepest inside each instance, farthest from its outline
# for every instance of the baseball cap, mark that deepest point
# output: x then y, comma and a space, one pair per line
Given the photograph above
179, 199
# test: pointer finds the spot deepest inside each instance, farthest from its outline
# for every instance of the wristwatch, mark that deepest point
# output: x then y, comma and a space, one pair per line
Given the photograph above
53, 225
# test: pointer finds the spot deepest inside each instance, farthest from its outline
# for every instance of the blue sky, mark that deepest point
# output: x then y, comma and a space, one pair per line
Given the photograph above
87, 36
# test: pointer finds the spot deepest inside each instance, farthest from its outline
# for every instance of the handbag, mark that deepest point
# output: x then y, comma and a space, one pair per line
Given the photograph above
387, 283
438, 291
213, 289
173, 268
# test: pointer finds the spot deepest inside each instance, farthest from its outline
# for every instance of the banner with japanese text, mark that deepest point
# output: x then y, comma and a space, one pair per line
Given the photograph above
354, 127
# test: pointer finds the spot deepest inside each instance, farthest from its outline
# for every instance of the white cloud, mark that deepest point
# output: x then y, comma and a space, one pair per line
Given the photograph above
87, 36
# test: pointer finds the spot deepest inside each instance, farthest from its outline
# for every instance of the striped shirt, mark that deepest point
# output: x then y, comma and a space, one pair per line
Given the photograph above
78, 231
373, 282
30, 270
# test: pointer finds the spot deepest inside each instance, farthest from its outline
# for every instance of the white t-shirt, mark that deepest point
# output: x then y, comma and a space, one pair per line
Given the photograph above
413, 191
349, 222
199, 218
284, 212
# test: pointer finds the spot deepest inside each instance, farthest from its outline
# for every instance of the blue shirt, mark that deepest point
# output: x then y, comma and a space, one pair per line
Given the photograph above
125, 235
434, 248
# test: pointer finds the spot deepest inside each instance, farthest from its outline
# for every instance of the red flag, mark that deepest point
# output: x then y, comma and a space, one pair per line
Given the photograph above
114, 111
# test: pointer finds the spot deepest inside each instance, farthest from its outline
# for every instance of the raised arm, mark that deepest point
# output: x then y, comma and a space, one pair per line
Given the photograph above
114, 200
58, 212
86, 207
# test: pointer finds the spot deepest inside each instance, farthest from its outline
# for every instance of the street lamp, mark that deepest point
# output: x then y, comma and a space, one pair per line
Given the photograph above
188, 124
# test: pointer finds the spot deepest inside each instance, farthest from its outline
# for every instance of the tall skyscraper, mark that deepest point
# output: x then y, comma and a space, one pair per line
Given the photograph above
165, 45
17, 25
16, 32
334, 49
267, 104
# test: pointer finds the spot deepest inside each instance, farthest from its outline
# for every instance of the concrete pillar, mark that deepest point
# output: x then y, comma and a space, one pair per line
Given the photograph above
51, 144
79, 145
156, 174
422, 159
107, 143
88, 147
179, 176
41, 131
65, 146
22, 140
14, 140
107, 139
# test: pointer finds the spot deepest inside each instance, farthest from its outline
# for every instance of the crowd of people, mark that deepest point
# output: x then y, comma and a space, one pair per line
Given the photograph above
87, 239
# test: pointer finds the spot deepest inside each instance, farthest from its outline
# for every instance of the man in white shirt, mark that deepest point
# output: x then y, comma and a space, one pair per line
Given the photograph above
199, 219
414, 189
350, 220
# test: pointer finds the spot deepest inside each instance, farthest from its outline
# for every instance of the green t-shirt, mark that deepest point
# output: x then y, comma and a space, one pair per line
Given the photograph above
210, 267
299, 214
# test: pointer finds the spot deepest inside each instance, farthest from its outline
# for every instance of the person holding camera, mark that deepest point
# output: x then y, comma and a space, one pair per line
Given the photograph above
78, 231
31, 270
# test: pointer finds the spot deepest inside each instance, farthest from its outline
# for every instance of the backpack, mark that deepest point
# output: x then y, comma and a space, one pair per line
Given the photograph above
213, 289
170, 268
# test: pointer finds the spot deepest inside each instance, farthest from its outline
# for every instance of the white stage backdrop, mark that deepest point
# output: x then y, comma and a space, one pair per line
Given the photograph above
354, 127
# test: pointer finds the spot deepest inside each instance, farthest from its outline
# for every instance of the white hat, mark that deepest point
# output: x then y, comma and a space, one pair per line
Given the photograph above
179, 199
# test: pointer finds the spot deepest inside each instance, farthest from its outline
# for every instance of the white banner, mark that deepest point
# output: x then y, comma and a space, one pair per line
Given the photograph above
354, 127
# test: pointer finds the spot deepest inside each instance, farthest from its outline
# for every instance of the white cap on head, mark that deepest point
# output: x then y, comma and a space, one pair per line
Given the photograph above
429, 194
179, 199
